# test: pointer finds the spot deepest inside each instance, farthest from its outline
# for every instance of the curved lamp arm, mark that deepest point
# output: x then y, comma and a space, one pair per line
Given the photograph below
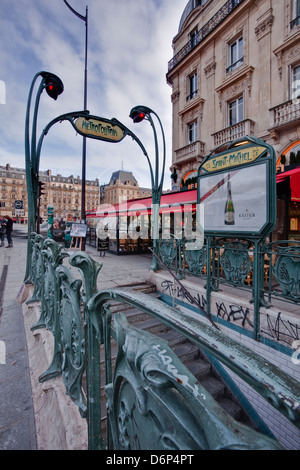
127, 131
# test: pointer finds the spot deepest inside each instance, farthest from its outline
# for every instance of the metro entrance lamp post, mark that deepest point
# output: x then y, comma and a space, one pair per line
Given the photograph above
54, 87
138, 114
83, 177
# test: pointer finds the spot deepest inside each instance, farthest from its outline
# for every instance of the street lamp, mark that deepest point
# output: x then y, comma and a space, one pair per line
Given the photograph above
138, 114
54, 87
83, 178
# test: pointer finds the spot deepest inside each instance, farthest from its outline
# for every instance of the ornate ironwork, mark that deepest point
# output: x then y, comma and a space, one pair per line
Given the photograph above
196, 261
153, 401
72, 337
287, 272
208, 28
168, 250
36, 241
52, 258
156, 403
236, 262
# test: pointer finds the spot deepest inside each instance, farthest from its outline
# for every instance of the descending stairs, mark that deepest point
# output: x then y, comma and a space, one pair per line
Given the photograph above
189, 354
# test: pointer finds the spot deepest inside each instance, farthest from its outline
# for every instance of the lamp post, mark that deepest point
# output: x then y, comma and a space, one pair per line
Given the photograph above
138, 114
54, 87
83, 177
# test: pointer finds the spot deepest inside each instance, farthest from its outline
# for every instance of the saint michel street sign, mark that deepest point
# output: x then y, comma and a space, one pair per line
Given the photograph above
98, 128
234, 158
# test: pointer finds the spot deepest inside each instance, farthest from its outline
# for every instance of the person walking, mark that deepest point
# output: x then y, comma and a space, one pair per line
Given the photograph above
9, 228
2, 230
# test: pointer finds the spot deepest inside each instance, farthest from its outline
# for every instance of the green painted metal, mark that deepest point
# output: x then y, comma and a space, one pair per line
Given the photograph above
36, 241
268, 380
153, 401
32, 160
236, 263
72, 340
286, 271
241, 155
237, 258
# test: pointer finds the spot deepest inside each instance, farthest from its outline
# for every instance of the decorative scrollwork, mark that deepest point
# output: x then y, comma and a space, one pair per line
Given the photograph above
53, 257
287, 272
89, 270
72, 337
37, 264
236, 262
196, 260
168, 251
156, 403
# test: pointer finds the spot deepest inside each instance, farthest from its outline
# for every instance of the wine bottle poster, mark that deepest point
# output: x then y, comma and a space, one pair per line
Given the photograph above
235, 201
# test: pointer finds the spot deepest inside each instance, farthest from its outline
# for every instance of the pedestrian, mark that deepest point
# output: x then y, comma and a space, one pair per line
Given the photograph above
9, 228
2, 230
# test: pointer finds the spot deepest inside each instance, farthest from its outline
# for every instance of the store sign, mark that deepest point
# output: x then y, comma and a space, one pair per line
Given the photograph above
238, 191
99, 129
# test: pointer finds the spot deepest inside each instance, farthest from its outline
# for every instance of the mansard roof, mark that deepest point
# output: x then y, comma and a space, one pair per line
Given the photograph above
191, 5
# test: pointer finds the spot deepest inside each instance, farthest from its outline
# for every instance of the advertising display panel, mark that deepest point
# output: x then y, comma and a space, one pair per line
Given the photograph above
237, 190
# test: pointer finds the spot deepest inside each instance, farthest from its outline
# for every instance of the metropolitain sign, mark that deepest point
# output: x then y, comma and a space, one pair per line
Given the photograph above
101, 129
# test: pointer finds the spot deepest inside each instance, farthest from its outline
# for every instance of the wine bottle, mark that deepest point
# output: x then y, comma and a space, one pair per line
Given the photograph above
229, 207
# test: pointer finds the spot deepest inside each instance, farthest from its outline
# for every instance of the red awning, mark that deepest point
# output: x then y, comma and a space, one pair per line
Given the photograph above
294, 176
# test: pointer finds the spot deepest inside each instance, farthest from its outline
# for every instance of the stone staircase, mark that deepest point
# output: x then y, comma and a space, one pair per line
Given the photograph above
193, 358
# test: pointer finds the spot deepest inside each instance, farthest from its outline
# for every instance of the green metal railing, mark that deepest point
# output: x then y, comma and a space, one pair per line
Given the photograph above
232, 262
152, 400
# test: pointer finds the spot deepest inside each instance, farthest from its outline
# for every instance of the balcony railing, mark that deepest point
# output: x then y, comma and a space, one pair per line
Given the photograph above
213, 23
240, 129
193, 150
286, 112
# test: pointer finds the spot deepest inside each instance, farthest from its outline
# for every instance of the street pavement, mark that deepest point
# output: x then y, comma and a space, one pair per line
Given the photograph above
17, 422
17, 425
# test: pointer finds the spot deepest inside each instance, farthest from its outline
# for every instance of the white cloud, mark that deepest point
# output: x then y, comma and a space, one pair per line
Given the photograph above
129, 46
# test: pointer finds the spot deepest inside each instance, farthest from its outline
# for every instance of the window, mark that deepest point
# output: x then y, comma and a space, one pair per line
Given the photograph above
194, 38
236, 111
235, 54
295, 82
192, 86
295, 13
192, 132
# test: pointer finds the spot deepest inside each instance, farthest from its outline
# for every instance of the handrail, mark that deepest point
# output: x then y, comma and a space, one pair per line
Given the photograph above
268, 380
80, 320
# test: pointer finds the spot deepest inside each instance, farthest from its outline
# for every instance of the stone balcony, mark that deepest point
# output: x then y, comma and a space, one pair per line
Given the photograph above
240, 129
190, 152
284, 117
286, 112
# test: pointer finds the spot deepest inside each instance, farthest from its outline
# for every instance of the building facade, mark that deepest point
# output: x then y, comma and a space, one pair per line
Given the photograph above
235, 71
13, 194
121, 187
63, 193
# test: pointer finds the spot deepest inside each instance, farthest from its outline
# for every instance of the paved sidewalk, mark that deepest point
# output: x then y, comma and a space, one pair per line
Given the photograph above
17, 425
17, 416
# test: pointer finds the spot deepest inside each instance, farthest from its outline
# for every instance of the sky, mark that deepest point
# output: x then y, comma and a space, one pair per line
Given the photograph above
129, 46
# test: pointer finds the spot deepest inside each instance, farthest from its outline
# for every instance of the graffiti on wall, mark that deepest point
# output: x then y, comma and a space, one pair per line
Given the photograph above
274, 327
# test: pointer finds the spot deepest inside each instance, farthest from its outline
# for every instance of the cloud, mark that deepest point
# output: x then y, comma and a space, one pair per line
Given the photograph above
129, 46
